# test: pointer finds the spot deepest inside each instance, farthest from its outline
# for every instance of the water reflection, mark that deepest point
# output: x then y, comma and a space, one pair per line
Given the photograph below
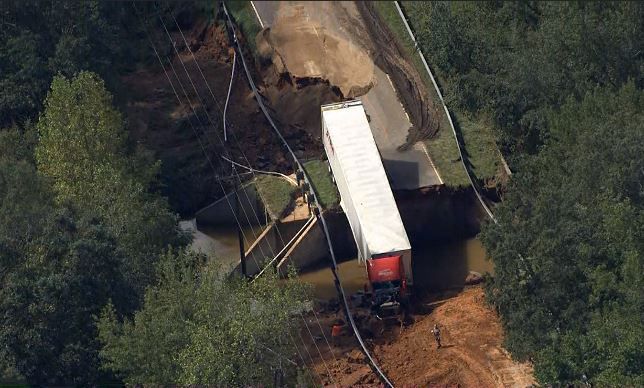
223, 242
436, 267
442, 266
352, 274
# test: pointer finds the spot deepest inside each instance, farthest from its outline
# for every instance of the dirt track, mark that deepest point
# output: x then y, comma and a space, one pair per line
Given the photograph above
472, 353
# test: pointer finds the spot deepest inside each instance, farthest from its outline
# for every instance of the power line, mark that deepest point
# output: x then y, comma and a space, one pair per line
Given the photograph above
194, 58
189, 121
201, 101
216, 133
338, 283
198, 139
217, 103
250, 169
230, 86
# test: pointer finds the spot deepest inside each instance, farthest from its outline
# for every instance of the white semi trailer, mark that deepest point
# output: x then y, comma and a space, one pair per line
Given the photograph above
367, 200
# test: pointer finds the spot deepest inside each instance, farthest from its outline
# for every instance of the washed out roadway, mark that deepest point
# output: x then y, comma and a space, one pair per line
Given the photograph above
407, 170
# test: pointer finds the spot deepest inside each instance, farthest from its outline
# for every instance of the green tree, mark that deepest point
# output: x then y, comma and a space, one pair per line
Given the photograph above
57, 270
40, 39
568, 249
513, 61
83, 148
25, 201
197, 327
47, 326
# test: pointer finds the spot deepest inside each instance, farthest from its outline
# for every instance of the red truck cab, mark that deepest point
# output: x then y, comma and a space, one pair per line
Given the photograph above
388, 285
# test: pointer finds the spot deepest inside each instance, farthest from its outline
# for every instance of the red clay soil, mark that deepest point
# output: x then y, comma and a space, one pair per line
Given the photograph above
471, 356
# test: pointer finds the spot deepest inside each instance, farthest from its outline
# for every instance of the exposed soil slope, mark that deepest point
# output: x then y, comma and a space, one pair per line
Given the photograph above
471, 356
305, 48
157, 120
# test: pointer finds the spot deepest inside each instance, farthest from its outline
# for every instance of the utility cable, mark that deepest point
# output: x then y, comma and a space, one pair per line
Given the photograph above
214, 98
318, 349
286, 246
216, 133
250, 169
209, 118
194, 58
217, 103
230, 87
300, 355
189, 121
338, 283
200, 143
221, 166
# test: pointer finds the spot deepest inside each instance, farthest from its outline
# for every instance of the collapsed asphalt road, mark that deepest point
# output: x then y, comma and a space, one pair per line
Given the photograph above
332, 44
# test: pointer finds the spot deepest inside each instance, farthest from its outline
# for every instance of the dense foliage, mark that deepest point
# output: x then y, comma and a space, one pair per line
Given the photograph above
512, 61
197, 327
80, 225
39, 39
562, 83
569, 246
83, 148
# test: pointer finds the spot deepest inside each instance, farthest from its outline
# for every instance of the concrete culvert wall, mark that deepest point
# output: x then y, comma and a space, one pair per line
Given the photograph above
222, 211
438, 215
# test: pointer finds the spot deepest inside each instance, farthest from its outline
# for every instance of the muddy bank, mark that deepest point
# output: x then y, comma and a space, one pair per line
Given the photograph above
388, 56
178, 136
472, 354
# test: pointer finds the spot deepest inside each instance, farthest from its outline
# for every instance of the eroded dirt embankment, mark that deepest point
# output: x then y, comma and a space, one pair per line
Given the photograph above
471, 356
167, 127
339, 45
305, 49
389, 56
303, 66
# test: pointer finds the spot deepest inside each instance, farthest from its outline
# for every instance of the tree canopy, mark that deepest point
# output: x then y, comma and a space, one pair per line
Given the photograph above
512, 61
569, 246
197, 327
81, 225
41, 39
82, 147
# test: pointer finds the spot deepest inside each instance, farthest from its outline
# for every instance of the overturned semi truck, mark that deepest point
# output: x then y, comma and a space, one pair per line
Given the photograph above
368, 202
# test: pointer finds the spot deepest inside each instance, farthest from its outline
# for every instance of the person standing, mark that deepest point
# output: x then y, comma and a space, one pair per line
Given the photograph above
437, 335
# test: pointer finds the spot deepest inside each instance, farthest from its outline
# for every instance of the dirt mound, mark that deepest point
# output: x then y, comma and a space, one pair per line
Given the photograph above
424, 113
304, 49
472, 354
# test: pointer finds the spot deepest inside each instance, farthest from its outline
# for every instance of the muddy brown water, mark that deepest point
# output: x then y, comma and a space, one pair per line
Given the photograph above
224, 241
436, 267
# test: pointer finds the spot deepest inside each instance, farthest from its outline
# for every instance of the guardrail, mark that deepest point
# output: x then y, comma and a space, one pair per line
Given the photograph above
449, 117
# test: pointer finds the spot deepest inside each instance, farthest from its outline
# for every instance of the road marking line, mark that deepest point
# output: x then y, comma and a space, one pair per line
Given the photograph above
394, 89
261, 23
431, 162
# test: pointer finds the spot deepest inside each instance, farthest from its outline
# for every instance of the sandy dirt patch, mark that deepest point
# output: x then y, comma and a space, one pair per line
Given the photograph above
305, 48
472, 354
